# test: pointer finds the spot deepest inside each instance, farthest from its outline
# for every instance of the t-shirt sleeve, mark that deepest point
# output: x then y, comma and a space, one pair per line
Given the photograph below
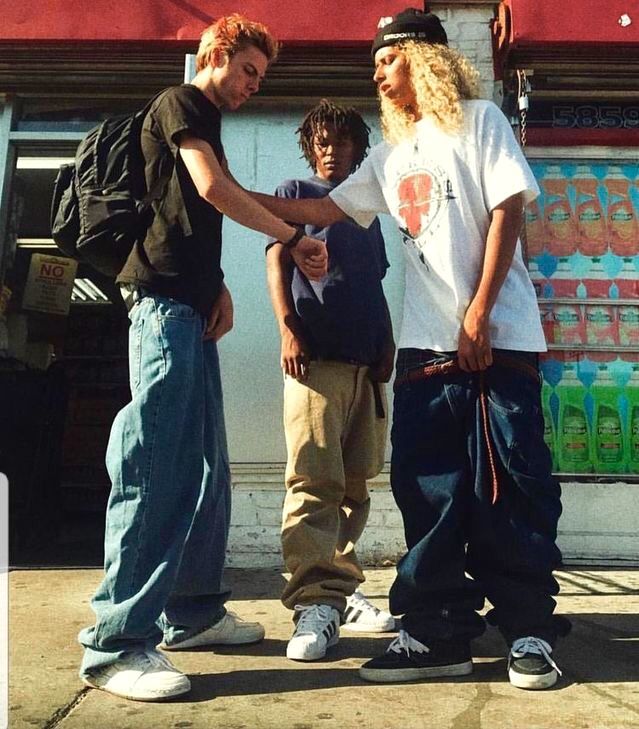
179, 112
504, 169
288, 189
376, 232
360, 195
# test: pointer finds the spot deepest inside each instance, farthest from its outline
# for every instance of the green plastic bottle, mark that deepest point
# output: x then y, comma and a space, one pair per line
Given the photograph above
607, 447
632, 431
549, 425
573, 438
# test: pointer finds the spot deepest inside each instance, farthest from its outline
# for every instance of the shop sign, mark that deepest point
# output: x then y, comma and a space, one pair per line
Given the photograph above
591, 114
49, 284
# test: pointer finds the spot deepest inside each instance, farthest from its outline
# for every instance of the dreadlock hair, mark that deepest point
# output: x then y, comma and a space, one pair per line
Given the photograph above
345, 120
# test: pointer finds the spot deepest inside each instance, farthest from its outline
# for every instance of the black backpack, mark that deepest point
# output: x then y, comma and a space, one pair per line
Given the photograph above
100, 205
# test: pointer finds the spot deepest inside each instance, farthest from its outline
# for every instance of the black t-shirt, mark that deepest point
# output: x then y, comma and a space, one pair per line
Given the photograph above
180, 255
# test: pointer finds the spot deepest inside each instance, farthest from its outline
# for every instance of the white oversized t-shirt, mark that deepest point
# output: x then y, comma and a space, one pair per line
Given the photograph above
441, 189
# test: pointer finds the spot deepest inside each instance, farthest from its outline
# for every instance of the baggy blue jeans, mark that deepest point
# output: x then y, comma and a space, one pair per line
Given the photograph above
462, 548
169, 508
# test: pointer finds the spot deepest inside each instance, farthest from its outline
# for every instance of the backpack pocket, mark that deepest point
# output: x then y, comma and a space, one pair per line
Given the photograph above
111, 225
65, 212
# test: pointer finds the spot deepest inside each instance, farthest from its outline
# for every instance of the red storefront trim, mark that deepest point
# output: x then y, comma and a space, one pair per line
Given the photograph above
582, 137
534, 23
335, 22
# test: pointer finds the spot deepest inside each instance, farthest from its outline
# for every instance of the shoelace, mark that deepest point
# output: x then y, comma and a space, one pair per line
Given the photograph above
311, 617
530, 644
157, 660
404, 642
357, 600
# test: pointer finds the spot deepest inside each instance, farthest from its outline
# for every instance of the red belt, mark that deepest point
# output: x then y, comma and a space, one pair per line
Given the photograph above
452, 367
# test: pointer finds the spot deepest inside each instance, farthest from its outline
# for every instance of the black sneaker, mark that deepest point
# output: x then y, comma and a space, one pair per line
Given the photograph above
406, 659
530, 664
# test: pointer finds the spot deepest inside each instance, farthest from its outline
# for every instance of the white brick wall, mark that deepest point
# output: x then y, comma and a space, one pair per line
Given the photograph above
258, 495
468, 30
598, 524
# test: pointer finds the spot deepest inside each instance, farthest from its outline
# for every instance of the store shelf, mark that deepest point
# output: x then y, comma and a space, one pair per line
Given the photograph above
591, 301
592, 348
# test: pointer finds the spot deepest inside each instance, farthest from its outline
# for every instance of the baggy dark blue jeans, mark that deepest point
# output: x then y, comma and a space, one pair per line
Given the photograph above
462, 548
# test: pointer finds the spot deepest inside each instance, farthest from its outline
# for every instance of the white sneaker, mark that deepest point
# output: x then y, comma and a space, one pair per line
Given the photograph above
230, 630
363, 616
316, 630
141, 676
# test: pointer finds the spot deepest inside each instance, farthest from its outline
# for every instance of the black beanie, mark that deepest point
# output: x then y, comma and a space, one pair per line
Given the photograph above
410, 24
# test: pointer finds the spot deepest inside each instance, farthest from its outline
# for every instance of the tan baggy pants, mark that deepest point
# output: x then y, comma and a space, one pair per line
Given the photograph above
335, 441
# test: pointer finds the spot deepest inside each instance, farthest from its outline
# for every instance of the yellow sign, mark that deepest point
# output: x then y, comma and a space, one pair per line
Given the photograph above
49, 284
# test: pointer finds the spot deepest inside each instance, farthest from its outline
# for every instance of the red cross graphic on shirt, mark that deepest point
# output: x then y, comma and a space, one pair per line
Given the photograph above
414, 193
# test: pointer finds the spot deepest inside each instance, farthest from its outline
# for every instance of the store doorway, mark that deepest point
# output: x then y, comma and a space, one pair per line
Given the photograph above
63, 380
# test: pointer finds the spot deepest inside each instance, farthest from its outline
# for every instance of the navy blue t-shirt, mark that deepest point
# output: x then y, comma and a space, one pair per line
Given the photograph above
344, 315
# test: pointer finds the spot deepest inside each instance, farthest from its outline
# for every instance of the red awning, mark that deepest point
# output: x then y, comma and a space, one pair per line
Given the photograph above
335, 22
533, 23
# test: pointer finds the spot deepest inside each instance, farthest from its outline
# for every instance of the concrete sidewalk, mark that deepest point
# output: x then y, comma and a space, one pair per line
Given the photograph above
256, 687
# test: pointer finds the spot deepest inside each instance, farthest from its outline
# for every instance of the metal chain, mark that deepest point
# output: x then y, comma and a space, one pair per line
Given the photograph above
523, 87
522, 104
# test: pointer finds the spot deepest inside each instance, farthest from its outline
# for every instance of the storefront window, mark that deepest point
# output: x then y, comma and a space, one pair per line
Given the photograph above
582, 237
72, 114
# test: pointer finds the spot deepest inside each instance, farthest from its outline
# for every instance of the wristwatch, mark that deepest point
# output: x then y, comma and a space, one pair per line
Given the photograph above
295, 239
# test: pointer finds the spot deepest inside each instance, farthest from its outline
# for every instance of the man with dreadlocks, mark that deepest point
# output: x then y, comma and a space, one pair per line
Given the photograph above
470, 470
336, 349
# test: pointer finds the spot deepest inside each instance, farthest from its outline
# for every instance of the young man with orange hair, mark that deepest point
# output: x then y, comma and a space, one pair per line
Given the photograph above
169, 508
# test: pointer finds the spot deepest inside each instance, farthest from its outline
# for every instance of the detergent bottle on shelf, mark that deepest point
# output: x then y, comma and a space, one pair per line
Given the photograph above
632, 429
549, 425
622, 215
535, 236
559, 222
573, 438
607, 447
591, 219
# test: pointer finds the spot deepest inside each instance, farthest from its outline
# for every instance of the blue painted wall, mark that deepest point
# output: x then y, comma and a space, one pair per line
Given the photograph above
261, 147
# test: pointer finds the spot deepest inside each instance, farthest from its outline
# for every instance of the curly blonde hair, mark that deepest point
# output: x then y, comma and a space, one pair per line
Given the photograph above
233, 33
442, 77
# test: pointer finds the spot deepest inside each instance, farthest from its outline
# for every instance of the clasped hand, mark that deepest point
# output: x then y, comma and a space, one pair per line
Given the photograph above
311, 257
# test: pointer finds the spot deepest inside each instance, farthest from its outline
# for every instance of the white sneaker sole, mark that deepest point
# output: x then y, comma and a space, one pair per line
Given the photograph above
391, 675
532, 682
369, 628
166, 696
310, 654
200, 641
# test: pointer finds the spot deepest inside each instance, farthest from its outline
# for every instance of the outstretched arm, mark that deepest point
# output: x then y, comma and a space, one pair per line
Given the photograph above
320, 212
294, 354
215, 186
474, 349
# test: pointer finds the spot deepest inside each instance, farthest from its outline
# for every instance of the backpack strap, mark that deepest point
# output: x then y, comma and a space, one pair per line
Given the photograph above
157, 189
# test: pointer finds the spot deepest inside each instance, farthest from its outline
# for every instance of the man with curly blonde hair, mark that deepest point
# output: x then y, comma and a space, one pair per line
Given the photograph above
169, 508
470, 470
